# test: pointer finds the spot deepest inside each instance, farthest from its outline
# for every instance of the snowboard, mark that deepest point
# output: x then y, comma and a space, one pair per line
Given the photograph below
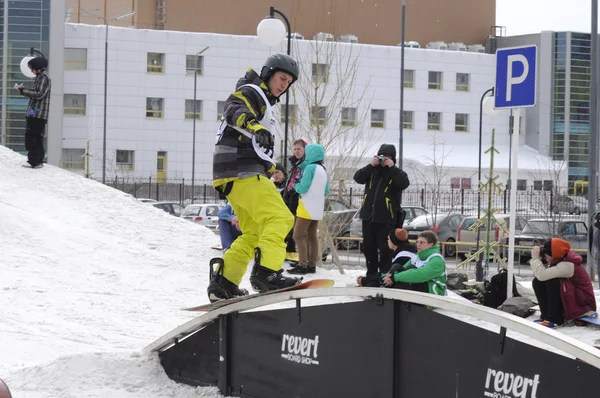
4, 391
314, 284
591, 319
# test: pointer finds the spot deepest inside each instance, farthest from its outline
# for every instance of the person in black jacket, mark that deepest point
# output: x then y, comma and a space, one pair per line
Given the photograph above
381, 211
290, 196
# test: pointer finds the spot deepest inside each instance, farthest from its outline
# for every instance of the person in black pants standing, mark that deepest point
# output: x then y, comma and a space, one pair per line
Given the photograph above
381, 211
37, 111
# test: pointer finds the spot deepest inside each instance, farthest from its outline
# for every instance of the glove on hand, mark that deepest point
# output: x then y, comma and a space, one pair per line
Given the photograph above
264, 138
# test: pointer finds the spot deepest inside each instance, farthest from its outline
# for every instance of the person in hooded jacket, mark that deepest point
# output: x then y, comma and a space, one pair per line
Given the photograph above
380, 210
403, 252
562, 286
290, 196
37, 111
242, 160
312, 188
279, 177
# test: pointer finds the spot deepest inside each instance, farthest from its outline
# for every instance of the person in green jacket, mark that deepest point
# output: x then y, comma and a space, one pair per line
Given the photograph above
426, 272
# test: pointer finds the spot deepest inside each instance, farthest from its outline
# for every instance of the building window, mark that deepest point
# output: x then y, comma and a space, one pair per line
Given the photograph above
461, 122
378, 118
349, 117
73, 159
320, 73
548, 185
154, 108
74, 104
521, 185
125, 160
462, 82
292, 114
537, 185
220, 109
189, 109
409, 78
190, 64
156, 63
318, 115
434, 121
435, 80
465, 183
407, 119
462, 183
75, 59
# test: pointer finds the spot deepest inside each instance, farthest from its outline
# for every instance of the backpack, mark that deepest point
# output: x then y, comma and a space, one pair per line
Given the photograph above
495, 290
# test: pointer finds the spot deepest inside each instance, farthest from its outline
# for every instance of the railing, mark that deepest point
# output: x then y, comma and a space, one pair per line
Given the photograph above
75, 65
72, 165
158, 69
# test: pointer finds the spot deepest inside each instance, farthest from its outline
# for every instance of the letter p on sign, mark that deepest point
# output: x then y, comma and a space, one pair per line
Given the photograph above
515, 77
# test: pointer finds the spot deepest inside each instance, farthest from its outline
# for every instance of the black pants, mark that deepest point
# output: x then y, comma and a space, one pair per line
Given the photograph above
548, 295
34, 140
374, 280
377, 253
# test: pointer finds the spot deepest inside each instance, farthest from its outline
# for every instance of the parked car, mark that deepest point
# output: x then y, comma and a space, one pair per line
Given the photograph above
173, 208
338, 217
355, 230
569, 204
204, 214
146, 200
444, 225
539, 230
466, 235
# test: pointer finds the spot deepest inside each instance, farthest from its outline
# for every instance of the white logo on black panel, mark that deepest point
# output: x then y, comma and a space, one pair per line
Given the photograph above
298, 349
500, 384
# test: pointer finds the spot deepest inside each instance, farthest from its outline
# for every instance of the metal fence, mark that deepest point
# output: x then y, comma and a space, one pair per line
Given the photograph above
530, 203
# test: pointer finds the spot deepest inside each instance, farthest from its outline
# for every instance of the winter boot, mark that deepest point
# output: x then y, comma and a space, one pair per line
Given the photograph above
303, 269
263, 279
219, 287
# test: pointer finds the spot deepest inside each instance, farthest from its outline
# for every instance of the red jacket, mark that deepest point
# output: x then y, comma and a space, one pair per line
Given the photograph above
577, 292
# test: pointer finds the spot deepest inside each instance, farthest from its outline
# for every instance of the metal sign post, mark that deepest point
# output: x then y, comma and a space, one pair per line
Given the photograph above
515, 89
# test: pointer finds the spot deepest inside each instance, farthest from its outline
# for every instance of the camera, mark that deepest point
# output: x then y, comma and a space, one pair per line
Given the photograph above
381, 159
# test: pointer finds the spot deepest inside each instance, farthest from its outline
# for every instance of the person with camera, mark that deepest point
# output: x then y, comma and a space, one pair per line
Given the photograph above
381, 211
562, 285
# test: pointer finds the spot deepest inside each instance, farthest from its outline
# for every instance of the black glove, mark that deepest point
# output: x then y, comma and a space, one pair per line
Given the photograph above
264, 138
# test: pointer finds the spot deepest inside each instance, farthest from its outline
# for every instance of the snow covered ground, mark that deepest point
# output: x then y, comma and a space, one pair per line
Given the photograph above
88, 277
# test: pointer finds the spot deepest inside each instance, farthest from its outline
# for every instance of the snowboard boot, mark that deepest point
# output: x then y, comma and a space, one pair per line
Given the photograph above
264, 279
302, 270
220, 288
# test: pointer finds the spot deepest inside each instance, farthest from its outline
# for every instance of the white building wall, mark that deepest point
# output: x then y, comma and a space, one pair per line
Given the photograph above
227, 59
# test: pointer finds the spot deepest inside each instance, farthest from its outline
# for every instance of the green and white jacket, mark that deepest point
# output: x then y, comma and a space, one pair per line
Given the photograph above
428, 266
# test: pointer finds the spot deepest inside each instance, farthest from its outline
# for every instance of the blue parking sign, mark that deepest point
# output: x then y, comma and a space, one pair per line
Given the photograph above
515, 77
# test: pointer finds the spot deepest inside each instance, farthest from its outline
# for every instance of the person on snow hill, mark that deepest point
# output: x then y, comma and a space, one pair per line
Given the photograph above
563, 287
312, 188
37, 111
403, 252
381, 211
290, 196
242, 160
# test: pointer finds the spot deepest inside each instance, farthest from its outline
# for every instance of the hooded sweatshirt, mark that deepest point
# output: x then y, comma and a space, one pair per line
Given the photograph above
313, 187
428, 266
576, 290
234, 156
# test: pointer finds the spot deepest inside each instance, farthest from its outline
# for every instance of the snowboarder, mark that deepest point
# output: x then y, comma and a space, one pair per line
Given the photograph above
242, 160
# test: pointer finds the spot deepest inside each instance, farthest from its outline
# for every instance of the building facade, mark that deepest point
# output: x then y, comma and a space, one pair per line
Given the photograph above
370, 21
25, 25
559, 125
151, 110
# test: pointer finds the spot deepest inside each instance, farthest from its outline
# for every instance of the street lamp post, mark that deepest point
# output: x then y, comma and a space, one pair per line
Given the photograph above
478, 266
271, 31
401, 139
194, 122
106, 22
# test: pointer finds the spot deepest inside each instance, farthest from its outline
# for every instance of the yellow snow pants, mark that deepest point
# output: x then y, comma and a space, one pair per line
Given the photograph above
265, 221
